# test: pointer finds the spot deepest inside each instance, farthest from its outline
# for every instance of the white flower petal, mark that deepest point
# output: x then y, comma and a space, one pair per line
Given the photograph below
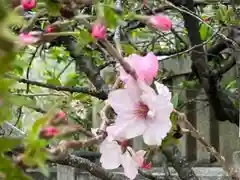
139, 157
129, 165
163, 107
156, 132
163, 90
111, 153
127, 129
121, 101
146, 88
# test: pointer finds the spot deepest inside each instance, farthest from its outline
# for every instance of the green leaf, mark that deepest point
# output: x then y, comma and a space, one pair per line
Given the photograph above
73, 79
169, 140
82, 97
54, 81
8, 143
175, 100
111, 17
232, 85
84, 38
128, 49
39, 123
11, 171
53, 8
21, 101
203, 31
173, 118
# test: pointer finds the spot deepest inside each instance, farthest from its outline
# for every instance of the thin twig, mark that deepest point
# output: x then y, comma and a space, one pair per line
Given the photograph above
86, 90
65, 68
188, 50
63, 146
38, 94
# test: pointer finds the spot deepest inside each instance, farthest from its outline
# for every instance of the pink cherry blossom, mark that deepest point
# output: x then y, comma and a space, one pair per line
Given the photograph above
30, 38
99, 31
28, 4
161, 22
113, 156
146, 67
140, 111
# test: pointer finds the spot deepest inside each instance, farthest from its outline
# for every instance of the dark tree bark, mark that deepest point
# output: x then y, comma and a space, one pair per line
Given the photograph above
83, 63
179, 163
94, 169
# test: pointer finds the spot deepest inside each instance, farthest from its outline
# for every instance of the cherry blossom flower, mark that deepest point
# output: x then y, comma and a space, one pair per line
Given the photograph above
140, 111
113, 156
146, 67
160, 22
31, 37
99, 31
28, 4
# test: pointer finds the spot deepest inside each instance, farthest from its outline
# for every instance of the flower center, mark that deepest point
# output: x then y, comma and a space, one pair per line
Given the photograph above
124, 143
141, 110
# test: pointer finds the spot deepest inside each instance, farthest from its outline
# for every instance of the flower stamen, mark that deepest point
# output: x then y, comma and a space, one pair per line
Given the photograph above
141, 110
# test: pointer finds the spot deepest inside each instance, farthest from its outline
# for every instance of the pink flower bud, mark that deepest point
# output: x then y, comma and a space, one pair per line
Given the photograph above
161, 22
146, 67
145, 165
49, 132
30, 38
49, 29
206, 19
28, 4
61, 115
99, 31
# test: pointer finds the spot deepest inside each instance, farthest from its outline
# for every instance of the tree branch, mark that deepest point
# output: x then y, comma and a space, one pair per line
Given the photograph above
79, 162
86, 90
227, 66
83, 63
149, 175
180, 164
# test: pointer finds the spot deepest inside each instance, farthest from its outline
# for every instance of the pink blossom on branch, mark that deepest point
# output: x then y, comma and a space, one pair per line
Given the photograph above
99, 31
140, 111
146, 67
160, 22
28, 4
113, 156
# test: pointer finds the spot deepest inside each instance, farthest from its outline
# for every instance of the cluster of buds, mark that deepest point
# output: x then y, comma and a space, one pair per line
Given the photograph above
58, 126
51, 130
